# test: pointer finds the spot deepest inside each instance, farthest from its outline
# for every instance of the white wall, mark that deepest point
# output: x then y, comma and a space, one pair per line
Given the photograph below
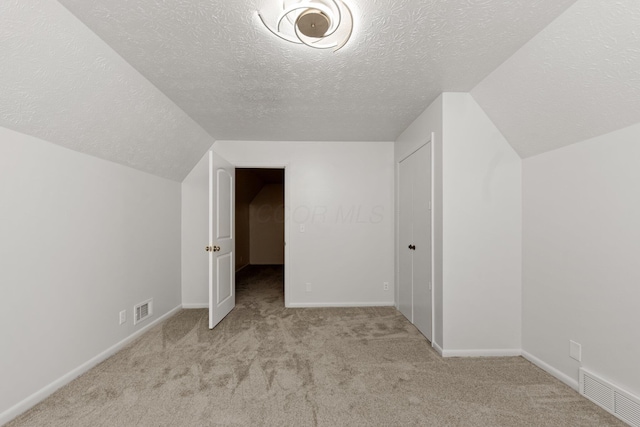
581, 279
81, 239
482, 229
266, 220
195, 236
343, 194
416, 135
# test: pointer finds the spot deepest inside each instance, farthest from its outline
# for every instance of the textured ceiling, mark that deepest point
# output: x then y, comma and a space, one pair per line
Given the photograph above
61, 83
578, 78
214, 59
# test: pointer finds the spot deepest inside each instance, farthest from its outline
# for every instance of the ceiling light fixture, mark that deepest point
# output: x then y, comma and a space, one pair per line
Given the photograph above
320, 24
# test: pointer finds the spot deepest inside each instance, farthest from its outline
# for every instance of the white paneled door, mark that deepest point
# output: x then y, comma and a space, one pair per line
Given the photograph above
415, 288
222, 298
405, 293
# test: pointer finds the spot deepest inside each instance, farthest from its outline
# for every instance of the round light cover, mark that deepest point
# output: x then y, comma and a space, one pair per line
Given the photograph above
313, 23
320, 24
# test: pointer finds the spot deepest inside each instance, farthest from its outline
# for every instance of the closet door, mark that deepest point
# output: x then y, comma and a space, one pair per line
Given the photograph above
422, 241
414, 299
405, 291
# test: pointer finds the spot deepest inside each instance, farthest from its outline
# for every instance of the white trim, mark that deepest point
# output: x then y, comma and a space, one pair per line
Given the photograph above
192, 305
49, 389
402, 159
288, 279
492, 352
210, 235
432, 206
571, 382
437, 347
260, 165
396, 229
339, 304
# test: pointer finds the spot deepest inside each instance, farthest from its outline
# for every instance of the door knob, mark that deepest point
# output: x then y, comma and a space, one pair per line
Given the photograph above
208, 248
212, 248
412, 247
216, 249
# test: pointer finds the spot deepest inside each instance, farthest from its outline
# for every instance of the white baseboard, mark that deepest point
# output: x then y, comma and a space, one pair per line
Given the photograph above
499, 352
573, 383
339, 304
191, 305
437, 347
48, 390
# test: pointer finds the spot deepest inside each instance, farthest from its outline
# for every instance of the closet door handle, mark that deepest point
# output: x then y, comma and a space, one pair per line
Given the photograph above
412, 247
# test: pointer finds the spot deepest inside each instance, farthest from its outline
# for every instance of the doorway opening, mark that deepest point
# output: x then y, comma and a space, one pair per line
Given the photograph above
260, 233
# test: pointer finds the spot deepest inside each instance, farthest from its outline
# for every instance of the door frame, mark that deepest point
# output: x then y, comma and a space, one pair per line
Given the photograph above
287, 198
397, 229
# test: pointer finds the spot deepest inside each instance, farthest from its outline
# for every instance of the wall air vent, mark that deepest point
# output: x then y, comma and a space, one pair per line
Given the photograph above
620, 403
142, 311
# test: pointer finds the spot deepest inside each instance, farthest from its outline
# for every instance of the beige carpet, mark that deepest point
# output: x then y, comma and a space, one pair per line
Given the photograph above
267, 365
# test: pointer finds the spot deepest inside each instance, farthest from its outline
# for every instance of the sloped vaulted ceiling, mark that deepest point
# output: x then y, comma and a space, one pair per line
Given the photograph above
577, 79
216, 61
151, 83
61, 83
